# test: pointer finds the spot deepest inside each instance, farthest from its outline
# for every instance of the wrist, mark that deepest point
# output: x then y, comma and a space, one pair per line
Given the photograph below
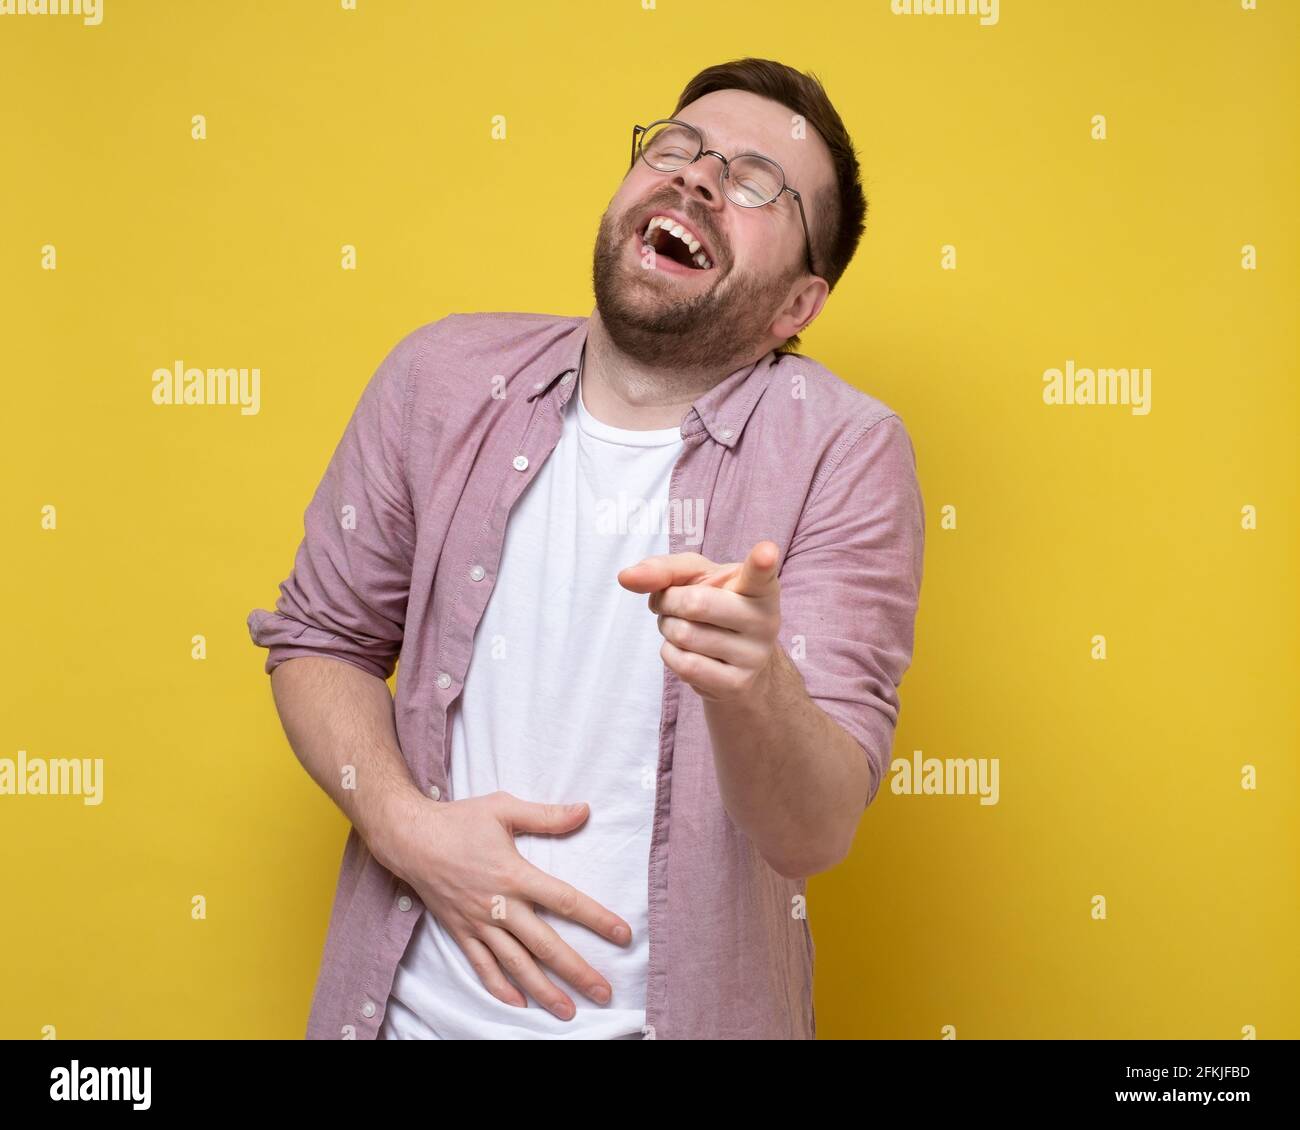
770, 690
388, 828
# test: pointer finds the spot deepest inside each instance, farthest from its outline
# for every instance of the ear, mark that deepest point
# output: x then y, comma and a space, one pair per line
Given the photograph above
801, 308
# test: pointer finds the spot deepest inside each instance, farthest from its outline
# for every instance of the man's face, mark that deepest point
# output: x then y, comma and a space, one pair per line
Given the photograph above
665, 313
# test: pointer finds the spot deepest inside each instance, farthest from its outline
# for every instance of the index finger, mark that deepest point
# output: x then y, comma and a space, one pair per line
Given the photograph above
665, 569
565, 899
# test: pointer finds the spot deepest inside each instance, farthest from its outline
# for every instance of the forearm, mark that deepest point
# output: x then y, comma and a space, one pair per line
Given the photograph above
790, 776
339, 721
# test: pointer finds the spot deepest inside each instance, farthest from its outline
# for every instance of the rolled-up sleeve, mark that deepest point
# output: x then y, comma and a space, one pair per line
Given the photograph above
346, 596
850, 584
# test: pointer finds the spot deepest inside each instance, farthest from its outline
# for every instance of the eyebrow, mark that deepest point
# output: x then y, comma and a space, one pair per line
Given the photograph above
739, 153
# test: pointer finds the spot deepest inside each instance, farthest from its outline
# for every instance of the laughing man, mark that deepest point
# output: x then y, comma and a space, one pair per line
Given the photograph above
651, 575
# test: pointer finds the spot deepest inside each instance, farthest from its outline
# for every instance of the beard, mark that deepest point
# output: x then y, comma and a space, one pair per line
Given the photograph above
671, 322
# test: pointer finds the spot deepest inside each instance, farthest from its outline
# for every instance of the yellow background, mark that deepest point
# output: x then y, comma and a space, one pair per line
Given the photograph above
325, 127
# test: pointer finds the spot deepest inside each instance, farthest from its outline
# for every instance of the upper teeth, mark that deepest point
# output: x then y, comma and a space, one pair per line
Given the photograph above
684, 234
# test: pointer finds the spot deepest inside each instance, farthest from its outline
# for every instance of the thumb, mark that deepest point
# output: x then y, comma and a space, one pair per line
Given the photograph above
532, 816
759, 572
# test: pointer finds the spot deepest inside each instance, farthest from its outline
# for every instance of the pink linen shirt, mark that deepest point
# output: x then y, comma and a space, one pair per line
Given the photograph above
402, 540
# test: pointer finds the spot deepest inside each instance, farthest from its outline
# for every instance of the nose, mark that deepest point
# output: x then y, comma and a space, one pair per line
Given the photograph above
702, 180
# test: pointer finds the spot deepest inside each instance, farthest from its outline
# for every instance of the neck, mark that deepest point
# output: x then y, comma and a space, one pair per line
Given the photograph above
623, 392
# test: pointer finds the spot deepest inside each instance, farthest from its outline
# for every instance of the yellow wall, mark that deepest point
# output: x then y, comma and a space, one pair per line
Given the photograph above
1118, 777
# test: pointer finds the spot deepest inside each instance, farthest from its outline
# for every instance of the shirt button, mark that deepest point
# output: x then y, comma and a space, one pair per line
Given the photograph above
404, 903
566, 379
477, 573
726, 433
368, 1009
521, 462
444, 680
435, 792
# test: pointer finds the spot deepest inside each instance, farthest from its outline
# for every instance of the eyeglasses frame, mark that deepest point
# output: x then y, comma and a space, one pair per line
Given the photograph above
723, 173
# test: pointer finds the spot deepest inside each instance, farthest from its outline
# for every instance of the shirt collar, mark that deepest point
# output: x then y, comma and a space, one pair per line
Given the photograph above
723, 411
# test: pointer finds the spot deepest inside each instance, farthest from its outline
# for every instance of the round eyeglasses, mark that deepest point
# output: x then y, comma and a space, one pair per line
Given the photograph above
749, 179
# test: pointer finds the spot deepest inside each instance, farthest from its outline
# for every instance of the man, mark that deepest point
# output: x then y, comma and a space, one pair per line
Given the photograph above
651, 577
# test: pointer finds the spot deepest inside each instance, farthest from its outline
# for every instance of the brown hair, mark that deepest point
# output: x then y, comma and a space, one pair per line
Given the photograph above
839, 213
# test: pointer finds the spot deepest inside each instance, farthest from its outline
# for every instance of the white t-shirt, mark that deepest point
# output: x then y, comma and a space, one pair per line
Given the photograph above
561, 704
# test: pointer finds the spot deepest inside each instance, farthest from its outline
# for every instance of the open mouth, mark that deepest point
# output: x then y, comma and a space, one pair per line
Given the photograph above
675, 242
